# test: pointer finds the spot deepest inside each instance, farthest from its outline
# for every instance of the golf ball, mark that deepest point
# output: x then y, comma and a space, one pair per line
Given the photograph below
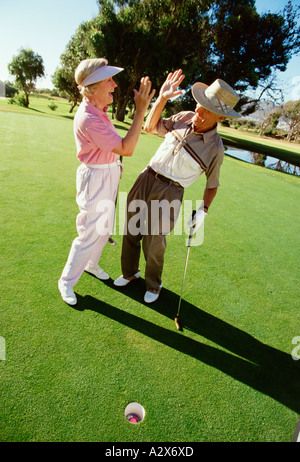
133, 418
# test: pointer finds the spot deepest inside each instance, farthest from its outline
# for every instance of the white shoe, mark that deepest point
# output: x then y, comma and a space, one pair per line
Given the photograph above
98, 272
67, 293
150, 297
121, 282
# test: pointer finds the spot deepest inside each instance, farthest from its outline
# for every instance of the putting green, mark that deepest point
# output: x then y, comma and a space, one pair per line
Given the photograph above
70, 372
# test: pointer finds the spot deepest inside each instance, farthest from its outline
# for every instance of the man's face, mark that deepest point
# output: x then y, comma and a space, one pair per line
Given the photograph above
204, 120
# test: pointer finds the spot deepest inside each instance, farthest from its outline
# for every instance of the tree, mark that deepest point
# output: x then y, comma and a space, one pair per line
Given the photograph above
270, 121
143, 37
64, 81
291, 114
27, 66
247, 46
149, 38
78, 48
207, 38
250, 48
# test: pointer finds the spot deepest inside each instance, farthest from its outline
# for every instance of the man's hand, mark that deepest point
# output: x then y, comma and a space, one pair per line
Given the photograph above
197, 220
168, 90
169, 87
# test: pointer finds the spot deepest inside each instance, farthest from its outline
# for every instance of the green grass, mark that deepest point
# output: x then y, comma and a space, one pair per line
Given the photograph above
70, 372
38, 104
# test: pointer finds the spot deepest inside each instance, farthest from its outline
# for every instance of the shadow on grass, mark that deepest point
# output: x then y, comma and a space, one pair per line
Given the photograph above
247, 360
71, 117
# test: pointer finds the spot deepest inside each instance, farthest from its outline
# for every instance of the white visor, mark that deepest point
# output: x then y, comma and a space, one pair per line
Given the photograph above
101, 74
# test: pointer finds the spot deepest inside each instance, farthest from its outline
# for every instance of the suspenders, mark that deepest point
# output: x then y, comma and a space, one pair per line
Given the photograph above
184, 143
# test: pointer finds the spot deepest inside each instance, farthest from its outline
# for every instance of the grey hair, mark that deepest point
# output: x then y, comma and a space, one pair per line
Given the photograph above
84, 69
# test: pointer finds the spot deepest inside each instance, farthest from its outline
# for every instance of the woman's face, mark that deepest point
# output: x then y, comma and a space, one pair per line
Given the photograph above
103, 94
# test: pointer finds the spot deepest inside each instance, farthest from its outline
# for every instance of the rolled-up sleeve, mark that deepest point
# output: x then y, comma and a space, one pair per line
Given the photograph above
213, 171
175, 121
164, 126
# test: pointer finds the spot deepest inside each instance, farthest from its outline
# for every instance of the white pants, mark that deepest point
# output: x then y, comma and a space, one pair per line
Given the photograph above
96, 187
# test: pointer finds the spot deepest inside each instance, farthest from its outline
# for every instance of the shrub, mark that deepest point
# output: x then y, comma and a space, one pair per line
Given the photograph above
54, 92
52, 106
225, 123
251, 124
271, 132
22, 101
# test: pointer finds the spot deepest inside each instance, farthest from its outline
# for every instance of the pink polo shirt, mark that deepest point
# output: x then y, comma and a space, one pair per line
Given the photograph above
95, 135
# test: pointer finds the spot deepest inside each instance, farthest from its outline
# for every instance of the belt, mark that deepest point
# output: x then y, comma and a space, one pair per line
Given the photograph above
160, 177
113, 164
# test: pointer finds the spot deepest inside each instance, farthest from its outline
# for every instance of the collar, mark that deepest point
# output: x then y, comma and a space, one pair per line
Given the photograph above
206, 136
93, 108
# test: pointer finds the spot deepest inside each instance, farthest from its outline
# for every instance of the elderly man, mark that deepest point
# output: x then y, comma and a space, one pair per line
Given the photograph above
191, 146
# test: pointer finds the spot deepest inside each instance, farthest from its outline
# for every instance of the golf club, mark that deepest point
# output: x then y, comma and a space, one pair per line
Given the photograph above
177, 323
110, 239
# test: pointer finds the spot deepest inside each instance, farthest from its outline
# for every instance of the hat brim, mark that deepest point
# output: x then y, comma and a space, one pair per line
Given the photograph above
198, 90
104, 72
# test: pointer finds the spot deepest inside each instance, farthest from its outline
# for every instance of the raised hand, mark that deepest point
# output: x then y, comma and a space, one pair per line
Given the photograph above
168, 90
144, 95
142, 98
169, 87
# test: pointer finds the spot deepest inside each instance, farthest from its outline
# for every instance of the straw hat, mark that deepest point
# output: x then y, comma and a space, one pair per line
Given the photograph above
218, 97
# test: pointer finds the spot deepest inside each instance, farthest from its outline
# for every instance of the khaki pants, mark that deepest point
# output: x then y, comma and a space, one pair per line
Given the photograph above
153, 231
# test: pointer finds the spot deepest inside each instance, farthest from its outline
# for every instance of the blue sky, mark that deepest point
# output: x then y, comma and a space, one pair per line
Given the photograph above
46, 28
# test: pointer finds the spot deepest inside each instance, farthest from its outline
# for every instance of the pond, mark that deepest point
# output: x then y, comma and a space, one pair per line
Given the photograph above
262, 160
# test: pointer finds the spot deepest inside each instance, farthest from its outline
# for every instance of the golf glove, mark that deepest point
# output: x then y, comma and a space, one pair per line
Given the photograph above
198, 220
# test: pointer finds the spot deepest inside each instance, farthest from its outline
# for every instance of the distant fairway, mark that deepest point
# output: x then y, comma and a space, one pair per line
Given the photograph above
70, 372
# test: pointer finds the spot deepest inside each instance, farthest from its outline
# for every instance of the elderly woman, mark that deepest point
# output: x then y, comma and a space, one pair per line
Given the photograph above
98, 146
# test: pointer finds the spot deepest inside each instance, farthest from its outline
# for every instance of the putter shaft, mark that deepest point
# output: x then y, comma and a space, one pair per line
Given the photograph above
110, 239
185, 268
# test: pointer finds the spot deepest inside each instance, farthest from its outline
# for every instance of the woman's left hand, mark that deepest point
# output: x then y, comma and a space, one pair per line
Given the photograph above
144, 95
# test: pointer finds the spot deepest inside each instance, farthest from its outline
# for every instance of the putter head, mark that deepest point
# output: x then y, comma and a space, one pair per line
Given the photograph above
111, 241
177, 323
